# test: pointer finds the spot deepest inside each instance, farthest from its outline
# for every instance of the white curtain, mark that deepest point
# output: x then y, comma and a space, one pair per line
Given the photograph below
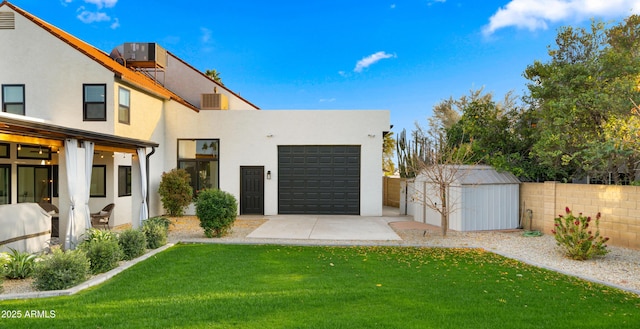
88, 167
71, 159
142, 160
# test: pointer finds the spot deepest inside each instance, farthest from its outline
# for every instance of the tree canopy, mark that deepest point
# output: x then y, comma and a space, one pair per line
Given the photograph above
579, 119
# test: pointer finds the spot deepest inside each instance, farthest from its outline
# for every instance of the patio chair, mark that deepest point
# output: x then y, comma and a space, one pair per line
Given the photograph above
102, 217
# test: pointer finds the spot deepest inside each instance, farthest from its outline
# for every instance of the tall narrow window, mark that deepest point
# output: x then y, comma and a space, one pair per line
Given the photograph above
199, 158
4, 150
124, 180
124, 101
98, 181
95, 102
13, 99
5, 183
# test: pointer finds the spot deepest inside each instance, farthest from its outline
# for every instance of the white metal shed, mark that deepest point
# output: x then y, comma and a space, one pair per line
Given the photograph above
481, 199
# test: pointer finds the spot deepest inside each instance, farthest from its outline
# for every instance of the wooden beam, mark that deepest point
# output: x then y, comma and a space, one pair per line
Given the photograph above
30, 140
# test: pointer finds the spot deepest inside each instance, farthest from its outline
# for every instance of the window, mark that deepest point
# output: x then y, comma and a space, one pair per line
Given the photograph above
95, 103
123, 105
13, 99
98, 181
34, 183
199, 157
4, 150
5, 183
124, 180
33, 152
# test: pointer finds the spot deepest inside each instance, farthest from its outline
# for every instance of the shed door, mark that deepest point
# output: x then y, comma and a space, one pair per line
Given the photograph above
315, 179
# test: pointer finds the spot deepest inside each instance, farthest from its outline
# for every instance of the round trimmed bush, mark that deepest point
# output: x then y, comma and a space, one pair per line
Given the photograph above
61, 270
217, 210
133, 243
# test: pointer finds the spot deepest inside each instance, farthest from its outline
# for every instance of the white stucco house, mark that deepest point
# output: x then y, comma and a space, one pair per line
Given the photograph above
82, 128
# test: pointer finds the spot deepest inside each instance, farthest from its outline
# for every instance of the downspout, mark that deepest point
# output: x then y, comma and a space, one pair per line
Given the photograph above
153, 150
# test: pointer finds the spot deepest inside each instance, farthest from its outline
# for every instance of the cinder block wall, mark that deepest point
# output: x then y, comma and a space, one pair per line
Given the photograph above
391, 191
618, 205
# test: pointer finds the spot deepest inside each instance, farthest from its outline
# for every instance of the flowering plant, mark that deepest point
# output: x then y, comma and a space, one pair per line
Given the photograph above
575, 235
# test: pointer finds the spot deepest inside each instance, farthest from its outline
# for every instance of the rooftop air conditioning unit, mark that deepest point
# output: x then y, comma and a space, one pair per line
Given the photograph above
214, 102
145, 54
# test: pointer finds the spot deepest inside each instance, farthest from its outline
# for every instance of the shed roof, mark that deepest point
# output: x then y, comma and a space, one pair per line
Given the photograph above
484, 175
477, 175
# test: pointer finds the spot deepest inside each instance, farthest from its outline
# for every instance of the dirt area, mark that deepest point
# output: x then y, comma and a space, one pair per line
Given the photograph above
186, 227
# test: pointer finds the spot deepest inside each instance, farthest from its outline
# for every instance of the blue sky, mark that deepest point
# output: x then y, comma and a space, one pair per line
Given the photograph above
401, 55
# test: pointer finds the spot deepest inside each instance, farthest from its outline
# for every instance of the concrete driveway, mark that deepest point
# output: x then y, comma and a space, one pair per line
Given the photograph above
327, 227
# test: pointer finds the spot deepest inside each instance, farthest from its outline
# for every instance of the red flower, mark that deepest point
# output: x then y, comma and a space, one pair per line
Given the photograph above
598, 215
553, 231
567, 210
576, 222
588, 219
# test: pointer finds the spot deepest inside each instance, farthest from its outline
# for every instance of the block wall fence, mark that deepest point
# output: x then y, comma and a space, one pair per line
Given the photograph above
619, 206
391, 191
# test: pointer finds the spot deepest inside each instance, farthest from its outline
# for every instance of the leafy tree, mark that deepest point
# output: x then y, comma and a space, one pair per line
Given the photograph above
582, 100
388, 148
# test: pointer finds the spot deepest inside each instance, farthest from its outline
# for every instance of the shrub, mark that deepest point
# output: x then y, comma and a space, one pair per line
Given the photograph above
217, 210
4, 259
133, 243
61, 270
166, 222
19, 265
175, 191
575, 235
156, 233
102, 249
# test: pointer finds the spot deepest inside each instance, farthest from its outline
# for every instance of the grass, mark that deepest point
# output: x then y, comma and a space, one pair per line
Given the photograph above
267, 286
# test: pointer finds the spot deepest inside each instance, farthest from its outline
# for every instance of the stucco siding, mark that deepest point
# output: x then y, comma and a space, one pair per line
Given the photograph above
244, 141
53, 84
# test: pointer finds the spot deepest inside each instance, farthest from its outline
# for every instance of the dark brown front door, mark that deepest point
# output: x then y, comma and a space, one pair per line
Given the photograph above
252, 190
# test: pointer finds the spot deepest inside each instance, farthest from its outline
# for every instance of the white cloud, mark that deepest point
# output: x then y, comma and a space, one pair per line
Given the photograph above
327, 100
101, 3
89, 17
371, 59
393, 6
206, 34
115, 24
537, 14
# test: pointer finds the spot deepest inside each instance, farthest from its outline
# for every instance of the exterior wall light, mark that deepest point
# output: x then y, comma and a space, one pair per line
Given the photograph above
268, 174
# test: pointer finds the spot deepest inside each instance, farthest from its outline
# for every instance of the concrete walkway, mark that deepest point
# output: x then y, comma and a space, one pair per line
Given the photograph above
328, 227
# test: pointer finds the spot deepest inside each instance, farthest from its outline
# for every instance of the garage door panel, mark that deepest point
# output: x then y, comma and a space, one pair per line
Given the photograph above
321, 179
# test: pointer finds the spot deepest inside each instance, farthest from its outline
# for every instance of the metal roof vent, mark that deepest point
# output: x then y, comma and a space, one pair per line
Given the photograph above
7, 21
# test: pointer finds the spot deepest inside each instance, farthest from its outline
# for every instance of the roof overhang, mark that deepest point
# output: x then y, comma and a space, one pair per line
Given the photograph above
36, 131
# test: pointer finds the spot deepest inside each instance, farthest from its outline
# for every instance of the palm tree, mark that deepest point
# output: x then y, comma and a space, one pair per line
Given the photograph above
214, 75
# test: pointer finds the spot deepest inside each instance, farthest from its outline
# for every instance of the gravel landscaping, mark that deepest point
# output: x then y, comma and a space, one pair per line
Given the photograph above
620, 268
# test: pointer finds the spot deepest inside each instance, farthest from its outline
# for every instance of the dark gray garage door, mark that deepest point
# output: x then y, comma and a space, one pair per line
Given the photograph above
316, 179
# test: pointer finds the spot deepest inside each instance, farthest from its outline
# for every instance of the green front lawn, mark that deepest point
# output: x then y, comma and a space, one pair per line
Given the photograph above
267, 286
